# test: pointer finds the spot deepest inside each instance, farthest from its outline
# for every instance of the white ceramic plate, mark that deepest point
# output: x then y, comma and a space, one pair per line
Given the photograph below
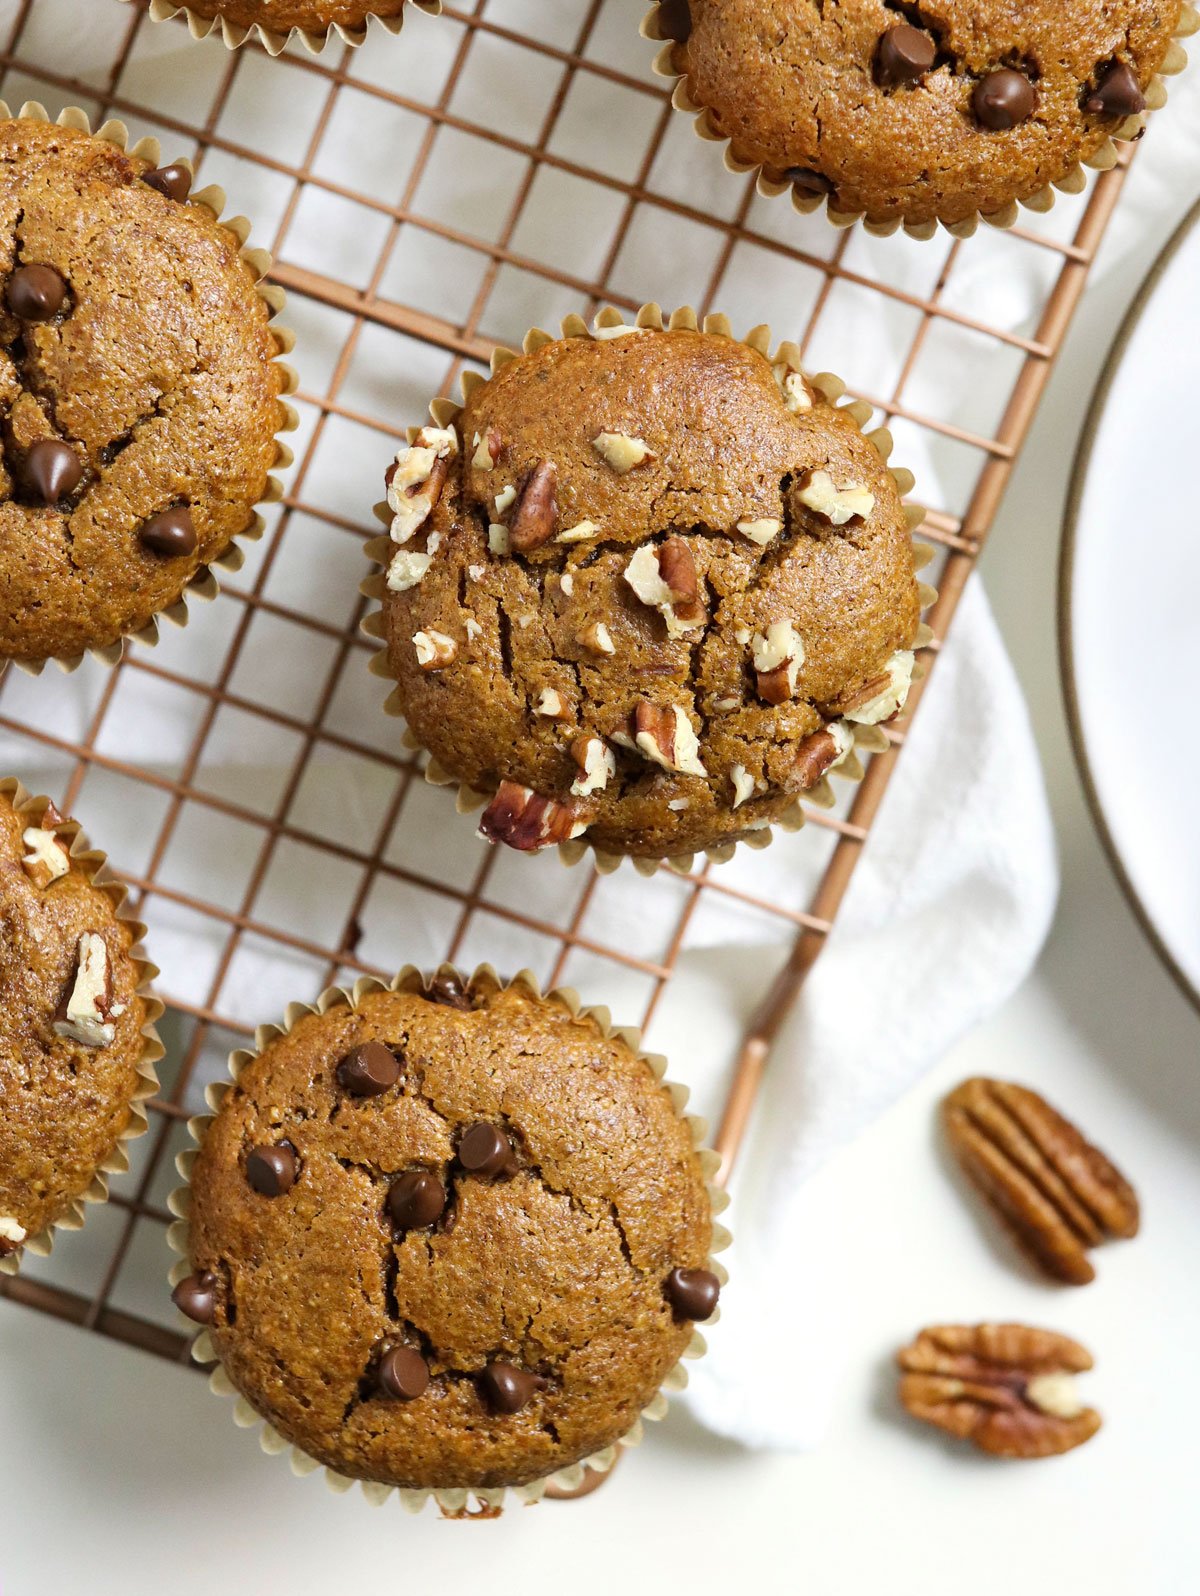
1129, 606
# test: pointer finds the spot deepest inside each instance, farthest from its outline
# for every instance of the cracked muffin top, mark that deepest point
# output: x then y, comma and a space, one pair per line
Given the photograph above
311, 16
70, 1024
138, 390
448, 1237
919, 112
644, 585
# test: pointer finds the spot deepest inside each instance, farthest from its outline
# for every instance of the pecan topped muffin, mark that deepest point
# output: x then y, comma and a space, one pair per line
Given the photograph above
643, 587
920, 113
139, 390
448, 1236
73, 1055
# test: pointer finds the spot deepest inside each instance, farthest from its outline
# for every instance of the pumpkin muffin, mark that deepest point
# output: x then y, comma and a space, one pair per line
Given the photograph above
275, 20
448, 1236
642, 587
139, 391
73, 1056
920, 113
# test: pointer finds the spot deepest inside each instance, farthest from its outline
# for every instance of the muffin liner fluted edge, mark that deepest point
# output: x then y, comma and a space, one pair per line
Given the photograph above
203, 584
453, 1502
868, 739
95, 866
1073, 181
233, 35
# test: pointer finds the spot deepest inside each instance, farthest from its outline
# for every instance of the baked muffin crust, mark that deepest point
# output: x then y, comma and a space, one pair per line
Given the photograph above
68, 1067
281, 16
534, 1290
151, 390
989, 102
532, 626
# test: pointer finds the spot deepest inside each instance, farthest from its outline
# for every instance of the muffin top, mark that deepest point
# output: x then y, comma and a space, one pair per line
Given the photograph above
281, 16
655, 574
70, 1023
138, 385
437, 1236
919, 113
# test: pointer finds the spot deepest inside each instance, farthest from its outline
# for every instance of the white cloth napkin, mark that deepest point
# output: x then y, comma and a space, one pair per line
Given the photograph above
949, 907
945, 918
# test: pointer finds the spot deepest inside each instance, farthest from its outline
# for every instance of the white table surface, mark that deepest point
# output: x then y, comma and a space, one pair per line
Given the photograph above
120, 1474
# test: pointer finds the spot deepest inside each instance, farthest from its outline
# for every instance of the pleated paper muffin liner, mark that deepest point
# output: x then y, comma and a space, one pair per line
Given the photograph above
203, 585
1072, 182
233, 35
453, 1502
95, 866
867, 739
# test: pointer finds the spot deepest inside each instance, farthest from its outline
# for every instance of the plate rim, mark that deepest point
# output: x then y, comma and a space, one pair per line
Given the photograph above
1080, 467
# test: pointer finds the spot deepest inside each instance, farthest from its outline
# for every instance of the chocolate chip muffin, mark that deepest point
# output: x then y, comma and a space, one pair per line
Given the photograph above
643, 588
917, 114
448, 1236
139, 390
76, 1050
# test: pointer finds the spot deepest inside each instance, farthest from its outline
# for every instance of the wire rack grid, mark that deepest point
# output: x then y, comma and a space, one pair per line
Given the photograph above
424, 197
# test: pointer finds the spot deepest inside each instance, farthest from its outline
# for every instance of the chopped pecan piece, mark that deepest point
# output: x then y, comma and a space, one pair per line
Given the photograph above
434, 650
597, 639
596, 766
527, 821
796, 393
834, 504
87, 1010
416, 477
621, 452
550, 704
487, 450
664, 734
822, 752
665, 579
47, 858
743, 785
1006, 1387
1057, 1194
778, 655
534, 520
12, 1234
882, 697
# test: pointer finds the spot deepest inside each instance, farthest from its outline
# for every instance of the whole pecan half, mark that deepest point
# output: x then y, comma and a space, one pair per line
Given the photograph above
527, 821
534, 519
1008, 1388
1056, 1193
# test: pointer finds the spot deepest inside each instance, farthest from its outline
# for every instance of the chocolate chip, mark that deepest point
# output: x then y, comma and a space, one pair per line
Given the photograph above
693, 1293
675, 20
904, 55
416, 1200
175, 181
52, 470
35, 293
448, 989
272, 1170
403, 1374
1003, 100
196, 1296
805, 181
169, 534
1117, 93
484, 1150
507, 1388
368, 1070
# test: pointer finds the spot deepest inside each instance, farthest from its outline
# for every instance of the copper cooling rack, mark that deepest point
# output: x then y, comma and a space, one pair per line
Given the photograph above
497, 166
